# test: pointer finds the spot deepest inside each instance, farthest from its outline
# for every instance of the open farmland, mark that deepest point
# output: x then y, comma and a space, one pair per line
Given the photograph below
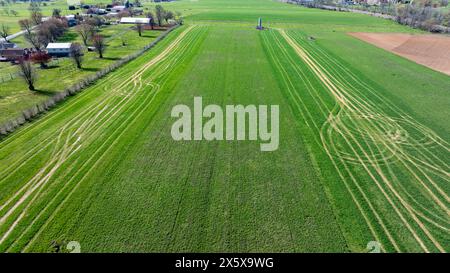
363, 151
428, 50
385, 158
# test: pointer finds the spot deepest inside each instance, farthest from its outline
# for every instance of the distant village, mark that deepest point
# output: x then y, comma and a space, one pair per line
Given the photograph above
42, 32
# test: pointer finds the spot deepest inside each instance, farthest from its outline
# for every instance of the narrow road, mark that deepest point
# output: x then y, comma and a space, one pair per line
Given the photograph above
13, 36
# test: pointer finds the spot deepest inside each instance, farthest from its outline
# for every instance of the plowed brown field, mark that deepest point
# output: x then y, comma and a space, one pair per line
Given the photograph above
432, 51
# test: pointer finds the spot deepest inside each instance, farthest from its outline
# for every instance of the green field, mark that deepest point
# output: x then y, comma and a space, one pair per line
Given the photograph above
363, 150
23, 12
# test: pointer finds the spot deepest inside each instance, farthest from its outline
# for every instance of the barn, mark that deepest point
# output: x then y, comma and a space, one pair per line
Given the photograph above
59, 49
134, 20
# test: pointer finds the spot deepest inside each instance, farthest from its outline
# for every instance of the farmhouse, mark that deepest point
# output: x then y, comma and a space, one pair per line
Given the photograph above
12, 54
134, 20
59, 49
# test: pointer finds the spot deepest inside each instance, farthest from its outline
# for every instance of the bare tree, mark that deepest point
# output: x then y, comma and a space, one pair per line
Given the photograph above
139, 28
33, 39
168, 15
124, 13
26, 24
50, 30
56, 13
28, 73
86, 31
35, 12
5, 31
96, 21
36, 17
159, 10
34, 6
99, 43
151, 19
76, 53
179, 18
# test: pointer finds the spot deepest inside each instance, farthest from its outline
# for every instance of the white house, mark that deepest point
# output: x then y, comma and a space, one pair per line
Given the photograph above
134, 20
59, 49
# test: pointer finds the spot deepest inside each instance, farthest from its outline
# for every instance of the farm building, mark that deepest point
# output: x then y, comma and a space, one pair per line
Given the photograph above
7, 45
12, 54
134, 20
71, 20
118, 8
59, 49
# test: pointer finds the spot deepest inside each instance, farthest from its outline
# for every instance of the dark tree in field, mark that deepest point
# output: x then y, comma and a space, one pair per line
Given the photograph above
28, 73
76, 53
41, 58
159, 10
124, 13
168, 15
56, 13
50, 30
14, 12
4, 31
96, 22
86, 31
139, 28
151, 19
99, 43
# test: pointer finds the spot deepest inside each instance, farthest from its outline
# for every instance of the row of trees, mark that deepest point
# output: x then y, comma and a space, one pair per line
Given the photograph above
157, 17
162, 15
424, 14
6, 9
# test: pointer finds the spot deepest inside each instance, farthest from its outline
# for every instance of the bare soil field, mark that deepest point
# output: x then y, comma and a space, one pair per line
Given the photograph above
430, 50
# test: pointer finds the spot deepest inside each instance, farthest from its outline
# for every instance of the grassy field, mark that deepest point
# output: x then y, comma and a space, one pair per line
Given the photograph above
362, 157
46, 7
23, 12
